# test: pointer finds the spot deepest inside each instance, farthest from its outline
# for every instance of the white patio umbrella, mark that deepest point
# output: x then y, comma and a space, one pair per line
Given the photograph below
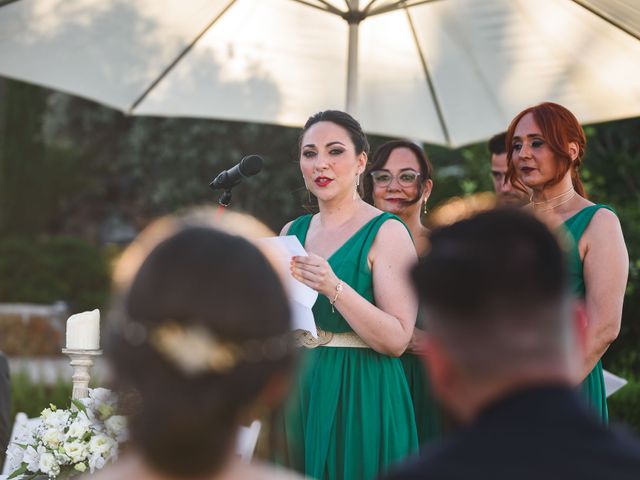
444, 71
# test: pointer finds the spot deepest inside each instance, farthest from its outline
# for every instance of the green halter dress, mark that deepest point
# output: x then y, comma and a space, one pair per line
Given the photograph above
350, 414
592, 386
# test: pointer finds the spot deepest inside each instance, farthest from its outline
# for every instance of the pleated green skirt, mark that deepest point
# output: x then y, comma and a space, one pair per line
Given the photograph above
350, 415
426, 409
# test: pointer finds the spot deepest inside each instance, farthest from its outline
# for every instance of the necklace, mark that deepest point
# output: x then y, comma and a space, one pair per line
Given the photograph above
563, 198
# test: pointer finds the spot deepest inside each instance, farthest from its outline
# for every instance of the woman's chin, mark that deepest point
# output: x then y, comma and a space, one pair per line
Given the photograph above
533, 182
326, 195
392, 207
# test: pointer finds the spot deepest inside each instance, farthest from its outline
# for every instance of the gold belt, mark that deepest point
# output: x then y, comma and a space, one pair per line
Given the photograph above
329, 339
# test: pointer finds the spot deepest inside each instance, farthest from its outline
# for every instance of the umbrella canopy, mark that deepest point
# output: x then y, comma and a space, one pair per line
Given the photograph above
449, 72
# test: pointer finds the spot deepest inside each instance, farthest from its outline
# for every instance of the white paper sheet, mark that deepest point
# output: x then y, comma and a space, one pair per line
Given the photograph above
612, 383
301, 297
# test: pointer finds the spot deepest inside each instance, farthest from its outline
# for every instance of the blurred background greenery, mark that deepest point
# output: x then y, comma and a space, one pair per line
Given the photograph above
78, 180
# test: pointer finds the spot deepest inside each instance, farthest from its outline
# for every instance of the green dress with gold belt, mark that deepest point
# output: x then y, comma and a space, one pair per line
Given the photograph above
350, 414
592, 386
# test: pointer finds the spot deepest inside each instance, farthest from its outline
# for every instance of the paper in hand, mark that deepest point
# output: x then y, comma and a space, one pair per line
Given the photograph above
612, 383
301, 297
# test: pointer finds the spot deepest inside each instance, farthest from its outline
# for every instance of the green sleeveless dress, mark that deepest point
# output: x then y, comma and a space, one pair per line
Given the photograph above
592, 386
426, 409
350, 414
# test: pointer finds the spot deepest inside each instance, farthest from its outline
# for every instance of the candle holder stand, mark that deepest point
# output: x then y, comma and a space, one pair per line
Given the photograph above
81, 362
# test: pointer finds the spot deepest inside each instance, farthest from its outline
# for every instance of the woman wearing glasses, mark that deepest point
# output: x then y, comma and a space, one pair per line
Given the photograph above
351, 414
398, 180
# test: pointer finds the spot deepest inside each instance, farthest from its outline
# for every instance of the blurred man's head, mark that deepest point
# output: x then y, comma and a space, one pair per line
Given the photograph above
497, 310
507, 194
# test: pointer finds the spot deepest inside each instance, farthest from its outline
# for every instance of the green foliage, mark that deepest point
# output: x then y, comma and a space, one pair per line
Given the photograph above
145, 167
49, 269
624, 405
464, 171
32, 397
611, 175
22, 158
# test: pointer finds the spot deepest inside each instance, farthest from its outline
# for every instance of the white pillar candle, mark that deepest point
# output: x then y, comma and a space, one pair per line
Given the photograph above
83, 331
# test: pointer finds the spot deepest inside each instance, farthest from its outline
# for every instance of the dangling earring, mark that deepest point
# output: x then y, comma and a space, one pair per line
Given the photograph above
424, 206
356, 194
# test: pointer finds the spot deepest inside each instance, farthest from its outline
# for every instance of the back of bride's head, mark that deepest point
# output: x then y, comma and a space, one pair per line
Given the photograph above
200, 330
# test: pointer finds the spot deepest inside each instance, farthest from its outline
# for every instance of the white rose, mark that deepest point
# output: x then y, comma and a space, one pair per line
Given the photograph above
52, 437
96, 462
78, 428
101, 444
102, 396
117, 426
48, 464
76, 451
57, 419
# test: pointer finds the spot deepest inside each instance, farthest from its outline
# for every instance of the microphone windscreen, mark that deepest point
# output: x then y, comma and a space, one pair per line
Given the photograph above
250, 165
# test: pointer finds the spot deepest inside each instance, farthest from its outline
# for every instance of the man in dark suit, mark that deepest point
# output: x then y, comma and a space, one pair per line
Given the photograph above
503, 346
5, 406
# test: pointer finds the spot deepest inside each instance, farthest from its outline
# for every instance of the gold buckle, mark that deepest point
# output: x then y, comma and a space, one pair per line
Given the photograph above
305, 339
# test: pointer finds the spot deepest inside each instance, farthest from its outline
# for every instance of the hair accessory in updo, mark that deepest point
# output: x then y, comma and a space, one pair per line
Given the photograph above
194, 350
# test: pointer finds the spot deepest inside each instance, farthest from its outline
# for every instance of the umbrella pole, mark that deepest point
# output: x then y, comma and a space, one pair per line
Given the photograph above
352, 59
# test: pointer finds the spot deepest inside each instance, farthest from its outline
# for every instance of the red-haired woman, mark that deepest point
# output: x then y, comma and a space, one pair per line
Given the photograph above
547, 145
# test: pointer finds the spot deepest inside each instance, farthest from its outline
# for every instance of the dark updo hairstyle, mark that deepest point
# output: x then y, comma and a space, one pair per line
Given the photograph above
559, 127
343, 120
185, 424
380, 158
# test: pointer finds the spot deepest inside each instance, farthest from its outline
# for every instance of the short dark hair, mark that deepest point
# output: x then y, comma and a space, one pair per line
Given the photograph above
184, 424
497, 259
498, 144
494, 277
344, 120
380, 158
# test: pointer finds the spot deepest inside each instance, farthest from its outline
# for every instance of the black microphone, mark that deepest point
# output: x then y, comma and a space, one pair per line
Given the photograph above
248, 166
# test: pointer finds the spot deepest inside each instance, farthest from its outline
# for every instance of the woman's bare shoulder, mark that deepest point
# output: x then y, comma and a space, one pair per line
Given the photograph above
393, 238
286, 228
603, 224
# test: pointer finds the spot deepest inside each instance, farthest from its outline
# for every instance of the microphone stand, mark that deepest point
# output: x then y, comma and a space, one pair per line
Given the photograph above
225, 198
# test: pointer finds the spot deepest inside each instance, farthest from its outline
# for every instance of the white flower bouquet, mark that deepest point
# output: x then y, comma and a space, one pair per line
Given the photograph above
68, 442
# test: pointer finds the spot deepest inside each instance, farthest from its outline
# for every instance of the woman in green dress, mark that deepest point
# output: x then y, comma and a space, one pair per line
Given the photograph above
546, 148
399, 180
350, 413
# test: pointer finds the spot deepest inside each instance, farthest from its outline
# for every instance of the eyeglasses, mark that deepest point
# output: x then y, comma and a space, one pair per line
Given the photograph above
406, 178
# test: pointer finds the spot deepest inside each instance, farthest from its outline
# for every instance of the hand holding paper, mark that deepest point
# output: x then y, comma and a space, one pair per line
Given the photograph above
301, 297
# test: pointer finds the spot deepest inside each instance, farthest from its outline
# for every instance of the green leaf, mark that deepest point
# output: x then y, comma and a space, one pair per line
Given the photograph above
79, 405
19, 471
